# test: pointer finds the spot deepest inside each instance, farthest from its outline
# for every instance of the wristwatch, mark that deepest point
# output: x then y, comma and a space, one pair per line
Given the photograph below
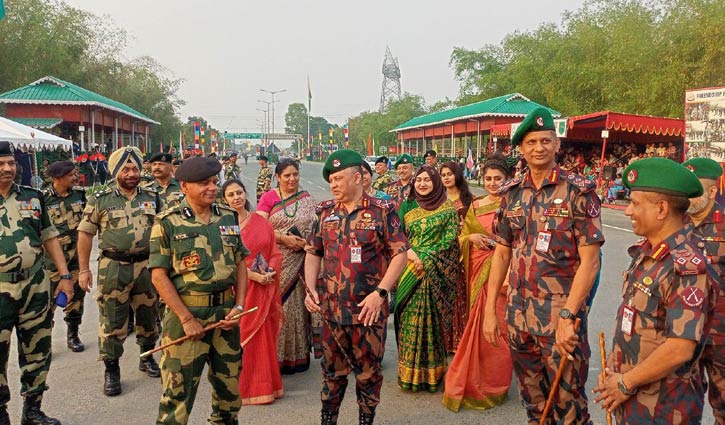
66, 276
382, 292
564, 313
623, 388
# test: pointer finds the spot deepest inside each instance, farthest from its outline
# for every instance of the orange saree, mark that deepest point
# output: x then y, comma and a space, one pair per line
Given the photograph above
260, 381
479, 375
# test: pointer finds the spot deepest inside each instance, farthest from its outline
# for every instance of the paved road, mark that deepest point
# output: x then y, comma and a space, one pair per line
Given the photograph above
76, 379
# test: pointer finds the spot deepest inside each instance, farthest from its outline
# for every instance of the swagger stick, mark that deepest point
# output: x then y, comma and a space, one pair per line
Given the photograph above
557, 378
329, 323
207, 328
603, 355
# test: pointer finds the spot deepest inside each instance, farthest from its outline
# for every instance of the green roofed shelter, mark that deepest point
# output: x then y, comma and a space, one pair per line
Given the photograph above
449, 132
83, 115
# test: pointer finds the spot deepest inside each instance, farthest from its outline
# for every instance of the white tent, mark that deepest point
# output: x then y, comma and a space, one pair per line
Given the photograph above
22, 136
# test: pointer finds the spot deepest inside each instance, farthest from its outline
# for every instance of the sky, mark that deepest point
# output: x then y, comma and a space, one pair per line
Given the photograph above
227, 50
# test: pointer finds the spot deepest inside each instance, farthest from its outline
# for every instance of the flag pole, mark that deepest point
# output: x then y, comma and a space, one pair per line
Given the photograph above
309, 111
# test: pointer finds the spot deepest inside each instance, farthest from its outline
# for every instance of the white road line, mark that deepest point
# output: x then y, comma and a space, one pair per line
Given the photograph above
617, 228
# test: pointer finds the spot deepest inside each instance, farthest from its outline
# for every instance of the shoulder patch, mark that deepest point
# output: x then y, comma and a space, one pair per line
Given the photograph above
148, 189
324, 205
688, 262
223, 207
578, 181
509, 184
382, 203
169, 211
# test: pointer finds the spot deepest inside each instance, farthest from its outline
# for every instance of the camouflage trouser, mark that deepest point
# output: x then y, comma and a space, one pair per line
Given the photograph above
118, 285
713, 361
536, 361
364, 346
25, 306
181, 367
74, 309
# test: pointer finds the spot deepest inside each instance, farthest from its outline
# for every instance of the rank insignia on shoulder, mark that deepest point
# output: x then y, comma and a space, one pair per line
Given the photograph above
187, 212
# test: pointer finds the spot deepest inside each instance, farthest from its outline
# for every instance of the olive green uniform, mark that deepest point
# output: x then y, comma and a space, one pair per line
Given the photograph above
170, 196
264, 176
24, 289
123, 278
201, 260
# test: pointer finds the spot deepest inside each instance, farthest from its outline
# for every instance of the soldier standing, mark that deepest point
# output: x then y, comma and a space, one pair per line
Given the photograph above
550, 232
384, 179
24, 289
400, 189
364, 253
668, 297
431, 158
65, 208
123, 217
231, 170
146, 175
264, 178
708, 217
164, 183
197, 265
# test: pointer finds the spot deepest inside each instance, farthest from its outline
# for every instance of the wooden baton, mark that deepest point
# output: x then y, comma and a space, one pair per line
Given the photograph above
603, 355
329, 323
206, 328
557, 378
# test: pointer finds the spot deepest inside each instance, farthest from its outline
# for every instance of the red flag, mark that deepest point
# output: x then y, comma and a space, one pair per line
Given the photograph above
370, 145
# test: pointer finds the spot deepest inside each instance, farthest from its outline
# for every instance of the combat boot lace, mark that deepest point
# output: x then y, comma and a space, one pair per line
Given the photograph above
149, 365
4, 417
74, 342
366, 418
328, 417
112, 378
32, 415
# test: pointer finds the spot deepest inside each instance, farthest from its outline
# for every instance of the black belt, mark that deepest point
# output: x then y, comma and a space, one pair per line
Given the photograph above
136, 257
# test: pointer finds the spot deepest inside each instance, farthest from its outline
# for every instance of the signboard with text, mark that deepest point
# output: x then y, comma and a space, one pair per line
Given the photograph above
705, 123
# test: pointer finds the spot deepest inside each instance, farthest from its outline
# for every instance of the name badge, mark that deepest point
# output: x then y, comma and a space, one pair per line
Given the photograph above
356, 254
627, 320
543, 240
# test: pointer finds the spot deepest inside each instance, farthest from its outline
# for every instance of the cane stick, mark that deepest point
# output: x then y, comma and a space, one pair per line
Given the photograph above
329, 323
557, 378
603, 355
206, 328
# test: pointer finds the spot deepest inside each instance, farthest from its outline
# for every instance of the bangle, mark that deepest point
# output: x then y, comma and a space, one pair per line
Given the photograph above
84, 271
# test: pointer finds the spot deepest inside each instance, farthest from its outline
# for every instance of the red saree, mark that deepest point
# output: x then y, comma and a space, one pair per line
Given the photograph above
260, 381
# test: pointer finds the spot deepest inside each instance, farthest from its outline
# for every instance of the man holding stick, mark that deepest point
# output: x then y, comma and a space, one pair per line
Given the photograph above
364, 250
550, 233
668, 296
197, 266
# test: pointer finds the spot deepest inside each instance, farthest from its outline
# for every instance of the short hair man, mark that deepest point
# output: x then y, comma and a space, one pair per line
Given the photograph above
384, 179
165, 184
400, 189
431, 158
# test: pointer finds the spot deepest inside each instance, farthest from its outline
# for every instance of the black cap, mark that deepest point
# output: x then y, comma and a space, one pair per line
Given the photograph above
233, 155
197, 169
262, 158
161, 157
60, 168
6, 149
383, 159
430, 152
367, 167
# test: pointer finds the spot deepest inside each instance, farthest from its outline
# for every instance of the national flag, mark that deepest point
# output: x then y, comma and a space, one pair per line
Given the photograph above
469, 161
309, 94
2, 9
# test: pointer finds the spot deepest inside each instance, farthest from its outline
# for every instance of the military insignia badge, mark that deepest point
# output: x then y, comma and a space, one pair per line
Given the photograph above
693, 297
647, 280
540, 121
690, 167
191, 260
335, 162
632, 176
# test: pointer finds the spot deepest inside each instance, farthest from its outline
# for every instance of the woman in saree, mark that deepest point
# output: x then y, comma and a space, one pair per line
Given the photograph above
456, 187
367, 182
480, 373
291, 212
431, 287
260, 381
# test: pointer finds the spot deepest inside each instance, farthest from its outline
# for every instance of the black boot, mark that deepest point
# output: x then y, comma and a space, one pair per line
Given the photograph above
112, 378
32, 415
149, 365
366, 418
4, 418
328, 417
74, 343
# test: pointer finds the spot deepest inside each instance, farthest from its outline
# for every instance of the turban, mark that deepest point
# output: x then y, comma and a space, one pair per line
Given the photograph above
121, 156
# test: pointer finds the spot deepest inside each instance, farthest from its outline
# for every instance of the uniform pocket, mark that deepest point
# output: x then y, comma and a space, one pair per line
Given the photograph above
188, 257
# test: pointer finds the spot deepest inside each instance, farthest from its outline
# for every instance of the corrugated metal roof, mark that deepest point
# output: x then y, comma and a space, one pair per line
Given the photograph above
52, 90
510, 105
39, 122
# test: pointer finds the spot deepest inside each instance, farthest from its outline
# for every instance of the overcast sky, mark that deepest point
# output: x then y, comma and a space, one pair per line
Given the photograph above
226, 50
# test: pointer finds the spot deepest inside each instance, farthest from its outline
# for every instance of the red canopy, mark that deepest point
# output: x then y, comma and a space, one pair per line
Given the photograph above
626, 126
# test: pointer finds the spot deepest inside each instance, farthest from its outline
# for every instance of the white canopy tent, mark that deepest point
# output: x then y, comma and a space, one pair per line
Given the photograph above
22, 136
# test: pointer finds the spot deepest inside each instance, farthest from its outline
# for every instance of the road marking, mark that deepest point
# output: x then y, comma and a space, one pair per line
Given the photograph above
617, 228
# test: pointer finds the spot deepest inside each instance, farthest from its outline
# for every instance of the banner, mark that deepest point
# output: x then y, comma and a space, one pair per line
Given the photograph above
560, 125
705, 123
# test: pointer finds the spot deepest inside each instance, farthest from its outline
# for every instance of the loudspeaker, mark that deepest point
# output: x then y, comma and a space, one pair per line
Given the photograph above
610, 173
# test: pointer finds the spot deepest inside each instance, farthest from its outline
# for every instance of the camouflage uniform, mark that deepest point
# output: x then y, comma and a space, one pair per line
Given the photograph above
712, 232
265, 174
566, 208
383, 181
375, 226
123, 278
399, 192
669, 289
169, 196
146, 177
231, 171
201, 259
65, 213
24, 289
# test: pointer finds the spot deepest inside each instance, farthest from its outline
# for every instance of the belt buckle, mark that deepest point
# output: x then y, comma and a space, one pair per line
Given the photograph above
216, 299
20, 275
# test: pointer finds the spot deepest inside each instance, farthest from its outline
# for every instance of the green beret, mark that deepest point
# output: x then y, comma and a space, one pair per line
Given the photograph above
539, 119
60, 168
161, 157
404, 159
339, 160
662, 175
704, 168
197, 169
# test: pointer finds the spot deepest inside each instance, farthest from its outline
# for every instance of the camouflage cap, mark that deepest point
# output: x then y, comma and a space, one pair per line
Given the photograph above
539, 119
340, 160
704, 168
60, 168
662, 175
197, 169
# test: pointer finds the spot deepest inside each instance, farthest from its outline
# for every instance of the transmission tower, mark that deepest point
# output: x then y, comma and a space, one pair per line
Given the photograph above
391, 80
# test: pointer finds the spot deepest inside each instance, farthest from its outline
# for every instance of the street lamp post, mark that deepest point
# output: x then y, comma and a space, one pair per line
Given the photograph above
273, 93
